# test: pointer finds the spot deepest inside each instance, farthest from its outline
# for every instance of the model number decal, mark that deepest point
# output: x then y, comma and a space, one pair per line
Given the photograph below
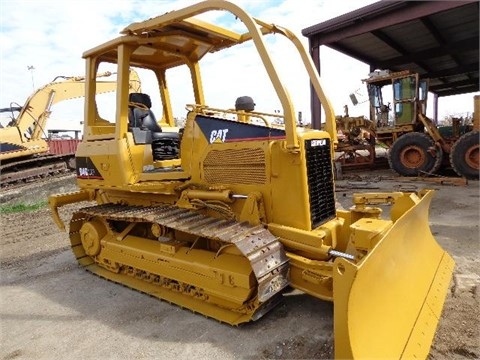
86, 169
320, 142
83, 171
218, 135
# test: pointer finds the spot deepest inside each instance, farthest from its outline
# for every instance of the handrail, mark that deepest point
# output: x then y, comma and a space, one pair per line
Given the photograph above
256, 29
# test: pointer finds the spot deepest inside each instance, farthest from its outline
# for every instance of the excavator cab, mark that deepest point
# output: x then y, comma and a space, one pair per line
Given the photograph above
219, 213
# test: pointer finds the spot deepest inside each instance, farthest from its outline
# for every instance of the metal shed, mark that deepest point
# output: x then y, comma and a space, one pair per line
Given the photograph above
437, 39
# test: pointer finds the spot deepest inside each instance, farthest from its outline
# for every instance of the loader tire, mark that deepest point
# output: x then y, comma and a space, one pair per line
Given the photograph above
414, 154
464, 156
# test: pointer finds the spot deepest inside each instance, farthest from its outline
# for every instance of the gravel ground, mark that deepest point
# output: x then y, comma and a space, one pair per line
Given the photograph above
51, 309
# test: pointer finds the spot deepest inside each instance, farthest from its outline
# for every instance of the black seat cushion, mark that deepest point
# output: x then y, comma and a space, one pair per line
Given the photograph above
149, 122
137, 113
141, 117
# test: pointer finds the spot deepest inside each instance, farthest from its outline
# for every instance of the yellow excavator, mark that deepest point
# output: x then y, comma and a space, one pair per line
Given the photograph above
26, 151
225, 213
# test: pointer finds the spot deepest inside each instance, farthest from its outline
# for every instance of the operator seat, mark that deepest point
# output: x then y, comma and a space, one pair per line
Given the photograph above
165, 145
140, 115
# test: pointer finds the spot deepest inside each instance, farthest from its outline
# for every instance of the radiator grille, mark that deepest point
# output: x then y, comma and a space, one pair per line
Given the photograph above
320, 181
235, 166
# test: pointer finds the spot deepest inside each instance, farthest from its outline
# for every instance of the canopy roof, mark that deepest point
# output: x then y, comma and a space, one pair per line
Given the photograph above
437, 39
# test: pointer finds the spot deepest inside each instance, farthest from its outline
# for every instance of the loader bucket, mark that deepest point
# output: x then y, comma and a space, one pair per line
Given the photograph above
388, 305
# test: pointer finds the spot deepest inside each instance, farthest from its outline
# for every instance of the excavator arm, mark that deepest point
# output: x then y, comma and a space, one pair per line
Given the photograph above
37, 109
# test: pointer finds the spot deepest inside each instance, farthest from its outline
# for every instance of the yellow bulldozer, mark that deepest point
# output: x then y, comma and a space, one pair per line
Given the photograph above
224, 214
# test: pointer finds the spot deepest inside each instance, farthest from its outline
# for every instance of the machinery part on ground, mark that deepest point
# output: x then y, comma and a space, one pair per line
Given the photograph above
464, 156
415, 154
236, 210
26, 151
355, 156
356, 142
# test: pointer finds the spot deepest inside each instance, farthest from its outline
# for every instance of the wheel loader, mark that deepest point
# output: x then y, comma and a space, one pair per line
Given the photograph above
417, 146
223, 214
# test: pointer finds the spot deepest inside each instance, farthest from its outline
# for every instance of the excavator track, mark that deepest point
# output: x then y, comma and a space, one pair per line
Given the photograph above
34, 168
142, 270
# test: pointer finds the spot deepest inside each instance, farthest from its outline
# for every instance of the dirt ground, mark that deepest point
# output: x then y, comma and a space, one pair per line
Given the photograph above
51, 309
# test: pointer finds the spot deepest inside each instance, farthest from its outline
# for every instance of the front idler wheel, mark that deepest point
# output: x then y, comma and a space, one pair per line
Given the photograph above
91, 233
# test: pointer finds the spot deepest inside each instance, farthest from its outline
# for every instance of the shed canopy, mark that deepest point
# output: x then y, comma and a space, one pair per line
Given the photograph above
437, 39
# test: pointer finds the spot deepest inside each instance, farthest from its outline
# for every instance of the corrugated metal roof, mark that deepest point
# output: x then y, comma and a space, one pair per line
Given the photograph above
437, 39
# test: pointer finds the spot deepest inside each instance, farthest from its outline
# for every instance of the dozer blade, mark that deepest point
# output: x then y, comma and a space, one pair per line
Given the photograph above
389, 304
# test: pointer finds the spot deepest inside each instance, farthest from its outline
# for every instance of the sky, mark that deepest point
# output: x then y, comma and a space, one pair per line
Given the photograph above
43, 39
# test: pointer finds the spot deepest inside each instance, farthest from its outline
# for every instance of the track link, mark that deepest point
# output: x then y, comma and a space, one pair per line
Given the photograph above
262, 249
34, 168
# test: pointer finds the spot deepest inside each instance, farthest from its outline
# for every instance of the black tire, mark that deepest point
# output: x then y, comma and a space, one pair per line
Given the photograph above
414, 154
464, 155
